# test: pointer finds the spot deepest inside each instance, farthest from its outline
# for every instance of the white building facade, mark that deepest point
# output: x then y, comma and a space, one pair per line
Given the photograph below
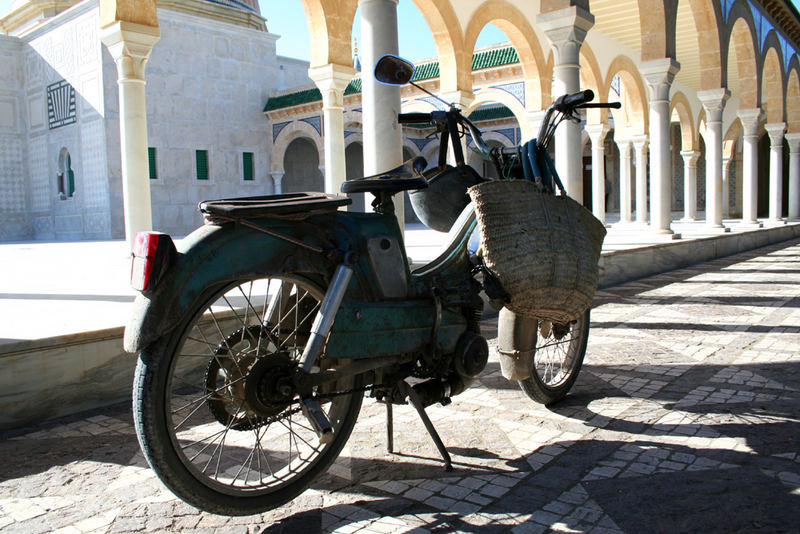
60, 174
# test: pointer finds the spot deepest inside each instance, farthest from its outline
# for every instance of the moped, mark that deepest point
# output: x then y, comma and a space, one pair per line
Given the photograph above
259, 336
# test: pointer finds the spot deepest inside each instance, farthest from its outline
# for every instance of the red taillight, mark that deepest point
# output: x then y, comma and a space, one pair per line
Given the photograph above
152, 252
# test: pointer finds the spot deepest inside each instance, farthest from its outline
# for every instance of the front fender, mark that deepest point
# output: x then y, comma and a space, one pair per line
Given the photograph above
214, 256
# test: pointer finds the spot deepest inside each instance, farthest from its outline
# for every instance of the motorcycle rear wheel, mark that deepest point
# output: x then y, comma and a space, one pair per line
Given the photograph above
560, 350
214, 408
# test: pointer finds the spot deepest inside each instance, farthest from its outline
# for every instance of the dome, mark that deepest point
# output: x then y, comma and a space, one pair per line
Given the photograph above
245, 5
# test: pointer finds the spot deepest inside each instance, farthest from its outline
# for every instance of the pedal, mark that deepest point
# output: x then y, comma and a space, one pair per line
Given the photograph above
319, 421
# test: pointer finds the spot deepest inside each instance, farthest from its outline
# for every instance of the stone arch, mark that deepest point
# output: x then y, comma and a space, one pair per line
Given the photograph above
295, 130
515, 25
417, 105
709, 30
772, 84
742, 38
492, 95
330, 27
634, 102
657, 28
679, 105
446, 31
793, 99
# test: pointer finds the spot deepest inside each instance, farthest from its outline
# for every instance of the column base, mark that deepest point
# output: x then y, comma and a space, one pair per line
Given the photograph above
689, 219
717, 229
774, 222
667, 235
751, 225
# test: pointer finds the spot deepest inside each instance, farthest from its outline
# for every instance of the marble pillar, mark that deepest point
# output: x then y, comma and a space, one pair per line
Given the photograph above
794, 175
659, 74
382, 134
130, 44
713, 101
640, 152
597, 134
775, 132
277, 179
566, 29
750, 119
690, 158
331, 80
625, 147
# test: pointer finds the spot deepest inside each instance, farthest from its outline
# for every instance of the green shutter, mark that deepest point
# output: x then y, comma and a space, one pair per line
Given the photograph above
70, 177
247, 166
201, 157
151, 159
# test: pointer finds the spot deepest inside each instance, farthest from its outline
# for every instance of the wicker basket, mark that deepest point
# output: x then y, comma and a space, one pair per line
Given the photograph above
542, 248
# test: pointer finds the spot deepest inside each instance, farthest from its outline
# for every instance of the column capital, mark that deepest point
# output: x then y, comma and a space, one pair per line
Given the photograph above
362, 2
566, 28
130, 45
750, 119
597, 133
625, 147
775, 131
659, 74
640, 142
713, 101
690, 157
332, 79
794, 142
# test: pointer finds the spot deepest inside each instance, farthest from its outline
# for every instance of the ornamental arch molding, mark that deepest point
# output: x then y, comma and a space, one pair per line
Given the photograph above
681, 109
446, 30
793, 99
491, 95
772, 85
633, 113
297, 129
745, 68
520, 33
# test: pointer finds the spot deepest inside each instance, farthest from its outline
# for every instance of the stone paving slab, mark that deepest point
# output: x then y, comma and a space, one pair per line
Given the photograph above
684, 419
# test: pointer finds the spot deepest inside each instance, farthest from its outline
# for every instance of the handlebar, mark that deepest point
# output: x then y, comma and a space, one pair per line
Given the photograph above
414, 118
568, 102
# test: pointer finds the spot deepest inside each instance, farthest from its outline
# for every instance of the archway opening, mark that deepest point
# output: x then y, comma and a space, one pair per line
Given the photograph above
301, 165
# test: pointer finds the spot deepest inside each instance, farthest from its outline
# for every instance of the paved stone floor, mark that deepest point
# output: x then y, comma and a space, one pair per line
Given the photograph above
685, 418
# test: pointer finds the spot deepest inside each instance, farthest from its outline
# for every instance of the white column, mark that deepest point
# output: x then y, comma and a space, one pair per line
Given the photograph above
750, 119
690, 185
331, 80
277, 179
726, 195
659, 74
130, 45
794, 175
597, 133
625, 147
775, 131
640, 150
566, 28
713, 102
383, 141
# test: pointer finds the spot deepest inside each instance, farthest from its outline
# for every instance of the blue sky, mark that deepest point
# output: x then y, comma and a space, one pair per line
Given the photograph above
287, 19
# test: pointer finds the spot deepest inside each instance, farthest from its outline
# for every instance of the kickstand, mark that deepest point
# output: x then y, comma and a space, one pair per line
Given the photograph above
413, 397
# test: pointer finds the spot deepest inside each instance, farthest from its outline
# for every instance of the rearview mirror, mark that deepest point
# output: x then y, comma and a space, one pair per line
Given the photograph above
393, 70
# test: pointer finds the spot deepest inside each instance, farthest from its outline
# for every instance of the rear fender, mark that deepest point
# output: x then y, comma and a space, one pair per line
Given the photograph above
215, 256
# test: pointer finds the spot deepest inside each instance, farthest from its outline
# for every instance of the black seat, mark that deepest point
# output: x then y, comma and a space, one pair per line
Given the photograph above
406, 177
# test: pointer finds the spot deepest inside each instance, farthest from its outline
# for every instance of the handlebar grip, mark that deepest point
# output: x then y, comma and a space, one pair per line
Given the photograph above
576, 99
414, 118
610, 105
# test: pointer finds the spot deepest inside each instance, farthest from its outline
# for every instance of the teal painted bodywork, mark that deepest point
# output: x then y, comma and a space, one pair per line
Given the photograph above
368, 324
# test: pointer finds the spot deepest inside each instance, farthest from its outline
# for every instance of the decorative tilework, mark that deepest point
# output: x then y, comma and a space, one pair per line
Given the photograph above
93, 179
421, 143
277, 128
12, 186
516, 89
316, 122
39, 176
434, 102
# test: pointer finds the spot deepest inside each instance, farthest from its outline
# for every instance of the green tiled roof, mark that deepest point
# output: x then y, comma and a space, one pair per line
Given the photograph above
425, 71
489, 113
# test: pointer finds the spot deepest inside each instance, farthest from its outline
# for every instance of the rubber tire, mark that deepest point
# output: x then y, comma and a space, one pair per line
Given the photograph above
540, 392
149, 398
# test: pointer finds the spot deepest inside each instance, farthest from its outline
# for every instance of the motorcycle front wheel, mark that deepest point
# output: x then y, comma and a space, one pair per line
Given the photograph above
215, 410
560, 349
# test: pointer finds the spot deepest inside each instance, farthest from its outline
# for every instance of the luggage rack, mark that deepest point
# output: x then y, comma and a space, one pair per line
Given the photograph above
288, 205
